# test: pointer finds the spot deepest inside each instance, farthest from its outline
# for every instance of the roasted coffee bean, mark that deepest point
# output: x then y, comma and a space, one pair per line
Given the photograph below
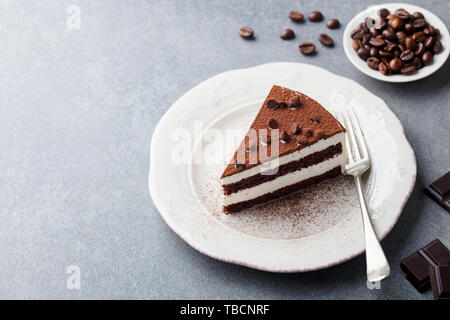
407, 55
429, 42
419, 23
246, 32
384, 54
402, 47
358, 33
410, 44
272, 104
377, 42
366, 38
389, 35
383, 24
307, 48
326, 40
390, 16
333, 24
438, 33
315, 16
395, 64
356, 44
383, 12
419, 36
420, 49
427, 58
287, 34
373, 31
390, 47
402, 14
373, 52
401, 37
417, 15
397, 53
418, 62
409, 28
368, 46
430, 30
396, 23
363, 25
437, 48
373, 62
363, 53
408, 69
296, 16
383, 68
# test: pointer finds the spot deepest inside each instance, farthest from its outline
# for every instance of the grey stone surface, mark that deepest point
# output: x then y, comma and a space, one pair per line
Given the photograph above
78, 109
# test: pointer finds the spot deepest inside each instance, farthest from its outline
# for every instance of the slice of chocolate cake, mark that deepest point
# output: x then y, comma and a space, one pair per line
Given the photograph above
292, 143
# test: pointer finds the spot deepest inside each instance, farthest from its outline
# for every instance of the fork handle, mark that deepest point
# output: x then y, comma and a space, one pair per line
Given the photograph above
377, 264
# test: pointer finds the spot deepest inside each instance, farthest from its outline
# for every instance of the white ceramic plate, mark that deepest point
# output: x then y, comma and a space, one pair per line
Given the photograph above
372, 11
316, 228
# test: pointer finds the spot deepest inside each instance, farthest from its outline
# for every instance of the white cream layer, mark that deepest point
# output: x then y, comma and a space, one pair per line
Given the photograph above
294, 156
285, 180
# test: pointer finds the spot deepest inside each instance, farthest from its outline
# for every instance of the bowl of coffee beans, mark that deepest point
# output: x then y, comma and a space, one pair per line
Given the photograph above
397, 42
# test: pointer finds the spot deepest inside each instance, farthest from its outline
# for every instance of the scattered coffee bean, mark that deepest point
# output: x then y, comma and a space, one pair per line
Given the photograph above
356, 44
430, 30
410, 44
409, 28
401, 37
296, 16
383, 12
358, 33
287, 34
373, 62
437, 48
418, 62
427, 58
307, 48
315, 16
419, 36
373, 52
402, 14
246, 32
429, 42
417, 15
284, 138
395, 64
272, 104
396, 23
333, 24
376, 42
408, 69
326, 40
391, 47
407, 55
363, 53
383, 68
384, 54
419, 23
366, 38
420, 49
389, 35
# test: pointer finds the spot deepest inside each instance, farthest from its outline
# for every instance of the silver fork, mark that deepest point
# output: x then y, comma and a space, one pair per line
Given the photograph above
358, 162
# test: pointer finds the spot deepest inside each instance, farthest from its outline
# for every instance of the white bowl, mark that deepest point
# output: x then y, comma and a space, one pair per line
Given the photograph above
372, 11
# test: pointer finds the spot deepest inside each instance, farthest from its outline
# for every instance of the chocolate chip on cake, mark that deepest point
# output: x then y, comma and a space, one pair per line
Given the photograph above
238, 165
309, 132
272, 104
302, 141
272, 123
318, 134
294, 103
284, 138
314, 120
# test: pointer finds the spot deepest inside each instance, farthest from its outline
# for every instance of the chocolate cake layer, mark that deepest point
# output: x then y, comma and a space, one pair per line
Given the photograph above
282, 192
305, 162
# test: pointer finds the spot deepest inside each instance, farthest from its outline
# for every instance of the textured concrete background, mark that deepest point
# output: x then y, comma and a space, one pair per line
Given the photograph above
77, 111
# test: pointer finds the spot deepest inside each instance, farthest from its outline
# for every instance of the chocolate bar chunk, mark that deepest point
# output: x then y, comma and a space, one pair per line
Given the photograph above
440, 191
440, 281
416, 265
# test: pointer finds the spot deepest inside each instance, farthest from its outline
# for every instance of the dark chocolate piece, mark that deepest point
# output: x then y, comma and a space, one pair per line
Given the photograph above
416, 265
440, 282
440, 191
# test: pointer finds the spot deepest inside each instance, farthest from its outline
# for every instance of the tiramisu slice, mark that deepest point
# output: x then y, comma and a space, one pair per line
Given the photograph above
292, 143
